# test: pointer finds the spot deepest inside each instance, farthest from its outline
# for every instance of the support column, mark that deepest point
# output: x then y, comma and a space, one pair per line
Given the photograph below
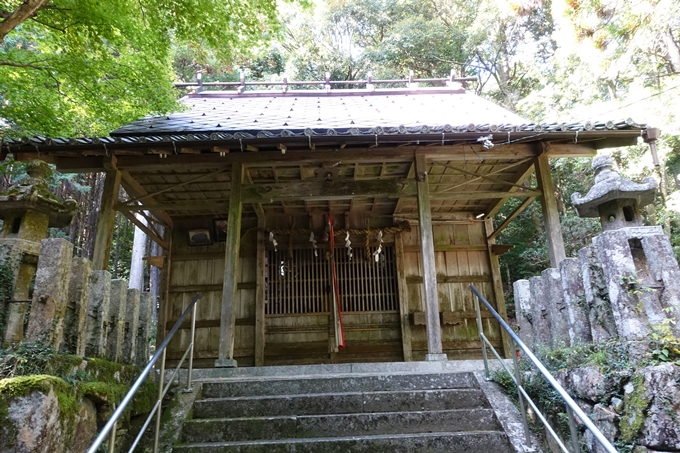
551, 218
259, 296
434, 333
231, 268
403, 299
499, 296
106, 222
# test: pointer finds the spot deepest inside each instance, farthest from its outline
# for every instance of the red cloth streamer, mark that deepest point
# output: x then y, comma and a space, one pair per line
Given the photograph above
335, 281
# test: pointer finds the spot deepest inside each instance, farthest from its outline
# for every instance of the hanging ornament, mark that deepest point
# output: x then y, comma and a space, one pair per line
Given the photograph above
348, 244
272, 240
312, 239
376, 254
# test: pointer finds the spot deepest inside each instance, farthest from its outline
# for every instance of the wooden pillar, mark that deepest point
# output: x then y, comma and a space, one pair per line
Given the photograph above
403, 299
259, 296
551, 218
434, 333
106, 222
499, 296
164, 293
231, 269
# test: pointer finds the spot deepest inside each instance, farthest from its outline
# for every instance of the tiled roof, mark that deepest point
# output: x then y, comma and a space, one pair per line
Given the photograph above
223, 116
336, 111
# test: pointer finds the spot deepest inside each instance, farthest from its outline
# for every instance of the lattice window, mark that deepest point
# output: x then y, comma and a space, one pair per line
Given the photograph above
302, 284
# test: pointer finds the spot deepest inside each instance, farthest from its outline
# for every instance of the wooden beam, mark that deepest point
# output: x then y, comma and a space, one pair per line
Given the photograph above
260, 296
434, 334
198, 205
410, 176
158, 240
551, 218
499, 296
135, 190
106, 221
527, 193
525, 204
522, 175
403, 299
327, 190
79, 164
231, 270
555, 150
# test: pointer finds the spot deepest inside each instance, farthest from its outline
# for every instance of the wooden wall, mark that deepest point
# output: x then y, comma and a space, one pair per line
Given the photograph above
462, 259
201, 269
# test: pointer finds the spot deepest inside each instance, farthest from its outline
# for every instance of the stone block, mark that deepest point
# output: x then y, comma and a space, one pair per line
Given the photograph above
523, 310
665, 271
630, 315
652, 400
13, 312
542, 333
98, 313
606, 421
600, 315
575, 302
131, 326
144, 326
116, 325
557, 309
76, 308
50, 293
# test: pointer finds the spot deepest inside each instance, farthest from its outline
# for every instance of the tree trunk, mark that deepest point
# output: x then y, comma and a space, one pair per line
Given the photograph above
137, 260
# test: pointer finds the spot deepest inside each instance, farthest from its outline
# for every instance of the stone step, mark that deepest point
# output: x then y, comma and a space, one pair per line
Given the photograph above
337, 425
444, 442
340, 403
336, 384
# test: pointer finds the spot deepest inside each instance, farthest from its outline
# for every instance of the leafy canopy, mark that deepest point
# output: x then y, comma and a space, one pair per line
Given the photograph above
84, 67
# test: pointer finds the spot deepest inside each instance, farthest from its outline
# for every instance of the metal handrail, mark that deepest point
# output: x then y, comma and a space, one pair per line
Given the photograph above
572, 407
160, 353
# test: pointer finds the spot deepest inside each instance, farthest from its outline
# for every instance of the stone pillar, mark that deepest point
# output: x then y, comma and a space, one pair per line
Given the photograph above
540, 312
98, 313
146, 302
131, 326
18, 263
630, 314
48, 308
523, 310
76, 309
664, 269
27, 209
575, 301
116, 324
600, 315
559, 316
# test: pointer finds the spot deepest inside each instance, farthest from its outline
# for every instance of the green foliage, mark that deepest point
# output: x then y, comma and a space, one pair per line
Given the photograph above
665, 344
84, 67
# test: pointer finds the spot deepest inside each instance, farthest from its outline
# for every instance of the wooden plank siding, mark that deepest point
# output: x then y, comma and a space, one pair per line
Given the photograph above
466, 264
461, 258
205, 275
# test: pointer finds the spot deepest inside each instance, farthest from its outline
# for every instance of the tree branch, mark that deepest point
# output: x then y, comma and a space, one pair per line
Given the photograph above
25, 11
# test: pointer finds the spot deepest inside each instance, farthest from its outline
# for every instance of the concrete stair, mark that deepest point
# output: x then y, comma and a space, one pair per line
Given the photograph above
402, 412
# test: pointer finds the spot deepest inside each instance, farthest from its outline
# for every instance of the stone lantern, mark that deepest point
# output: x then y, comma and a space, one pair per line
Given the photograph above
27, 209
614, 199
637, 262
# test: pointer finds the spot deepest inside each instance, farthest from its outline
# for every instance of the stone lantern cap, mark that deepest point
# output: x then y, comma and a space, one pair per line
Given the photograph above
33, 194
609, 186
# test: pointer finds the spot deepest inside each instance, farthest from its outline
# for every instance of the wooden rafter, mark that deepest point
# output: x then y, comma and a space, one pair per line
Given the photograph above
135, 190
